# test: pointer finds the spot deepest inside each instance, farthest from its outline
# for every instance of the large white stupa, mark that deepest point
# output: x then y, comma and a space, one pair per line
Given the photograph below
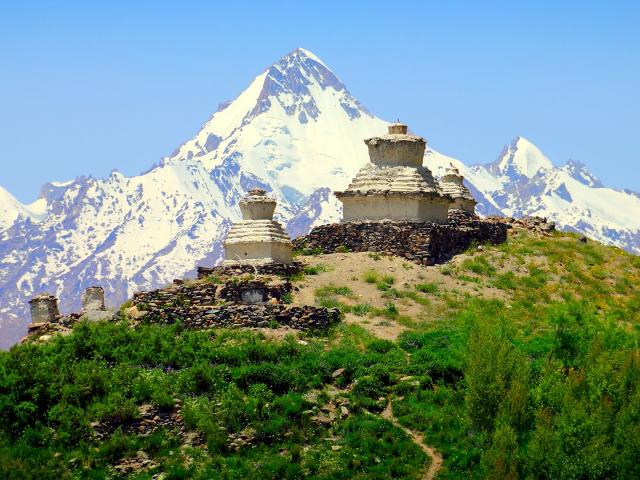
394, 185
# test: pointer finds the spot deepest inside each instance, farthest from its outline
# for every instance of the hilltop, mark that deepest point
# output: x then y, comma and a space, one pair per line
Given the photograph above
296, 131
514, 360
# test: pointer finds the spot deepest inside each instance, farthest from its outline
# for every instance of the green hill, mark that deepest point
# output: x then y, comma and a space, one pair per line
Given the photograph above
512, 361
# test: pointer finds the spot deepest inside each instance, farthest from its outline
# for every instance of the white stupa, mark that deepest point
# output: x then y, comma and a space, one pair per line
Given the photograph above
452, 184
257, 238
394, 185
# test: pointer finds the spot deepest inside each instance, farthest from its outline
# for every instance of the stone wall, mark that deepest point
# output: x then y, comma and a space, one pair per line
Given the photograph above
305, 317
425, 243
253, 291
208, 305
277, 269
535, 225
205, 294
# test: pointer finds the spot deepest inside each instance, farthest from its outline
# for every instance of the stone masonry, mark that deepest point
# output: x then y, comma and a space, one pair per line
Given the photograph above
425, 243
93, 299
275, 268
44, 309
238, 302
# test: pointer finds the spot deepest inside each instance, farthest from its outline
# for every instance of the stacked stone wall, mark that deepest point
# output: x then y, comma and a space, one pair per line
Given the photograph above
425, 243
207, 305
277, 269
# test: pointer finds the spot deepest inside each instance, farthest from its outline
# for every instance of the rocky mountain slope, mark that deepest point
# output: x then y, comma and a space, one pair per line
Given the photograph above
522, 181
297, 132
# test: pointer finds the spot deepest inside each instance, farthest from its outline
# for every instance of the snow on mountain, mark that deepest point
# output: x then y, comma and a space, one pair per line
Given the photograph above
295, 126
579, 171
523, 181
11, 209
297, 132
520, 158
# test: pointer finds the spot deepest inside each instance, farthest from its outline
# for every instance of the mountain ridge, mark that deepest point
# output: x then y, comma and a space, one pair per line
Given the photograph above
296, 132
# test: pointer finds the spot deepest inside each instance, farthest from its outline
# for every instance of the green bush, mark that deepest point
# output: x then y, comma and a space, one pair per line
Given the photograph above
427, 288
479, 265
371, 277
361, 309
316, 269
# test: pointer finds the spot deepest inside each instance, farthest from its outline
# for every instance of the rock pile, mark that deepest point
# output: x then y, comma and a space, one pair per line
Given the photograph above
44, 331
277, 269
425, 243
149, 420
536, 225
250, 302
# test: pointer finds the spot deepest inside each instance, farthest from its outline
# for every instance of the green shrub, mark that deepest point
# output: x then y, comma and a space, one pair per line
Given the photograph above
388, 279
334, 290
479, 265
390, 310
505, 281
315, 269
384, 284
361, 309
371, 276
287, 298
427, 288
446, 270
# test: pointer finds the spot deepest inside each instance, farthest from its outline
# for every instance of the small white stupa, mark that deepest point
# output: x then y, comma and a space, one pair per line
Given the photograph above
394, 185
452, 184
257, 238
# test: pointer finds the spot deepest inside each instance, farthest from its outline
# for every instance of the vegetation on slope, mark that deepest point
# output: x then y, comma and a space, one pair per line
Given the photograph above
524, 364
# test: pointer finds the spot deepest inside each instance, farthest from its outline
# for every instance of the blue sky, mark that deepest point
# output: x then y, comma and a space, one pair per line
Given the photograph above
87, 87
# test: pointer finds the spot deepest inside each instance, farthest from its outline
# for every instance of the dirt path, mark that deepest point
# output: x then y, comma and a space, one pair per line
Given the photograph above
436, 458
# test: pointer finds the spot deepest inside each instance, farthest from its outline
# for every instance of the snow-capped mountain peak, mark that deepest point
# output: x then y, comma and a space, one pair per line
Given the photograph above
520, 158
293, 126
11, 209
295, 84
579, 171
297, 132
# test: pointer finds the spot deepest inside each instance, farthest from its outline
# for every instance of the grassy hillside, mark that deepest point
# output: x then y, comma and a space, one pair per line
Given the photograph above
514, 361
